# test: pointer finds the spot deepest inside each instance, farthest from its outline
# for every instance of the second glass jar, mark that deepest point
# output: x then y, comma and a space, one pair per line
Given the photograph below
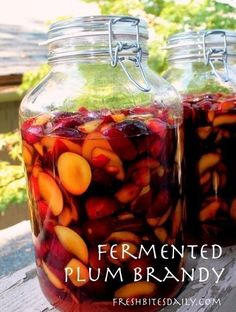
202, 68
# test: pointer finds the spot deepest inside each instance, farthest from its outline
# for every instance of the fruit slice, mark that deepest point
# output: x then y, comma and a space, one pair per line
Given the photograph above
157, 126
42, 209
55, 151
143, 201
74, 172
27, 153
176, 219
90, 126
48, 141
209, 212
36, 169
72, 147
124, 236
73, 205
210, 116
121, 255
57, 257
114, 165
133, 224
224, 120
31, 134
142, 176
65, 217
204, 132
94, 139
227, 105
118, 117
100, 161
121, 145
97, 262
52, 277
39, 148
79, 272
132, 128
159, 221
147, 162
205, 178
157, 148
72, 242
34, 187
222, 134
100, 206
161, 234
161, 204
208, 161
98, 230
127, 193
41, 120
136, 290
125, 215
50, 192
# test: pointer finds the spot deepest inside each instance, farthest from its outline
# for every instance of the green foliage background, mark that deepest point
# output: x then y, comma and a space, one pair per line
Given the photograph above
168, 17
164, 18
12, 180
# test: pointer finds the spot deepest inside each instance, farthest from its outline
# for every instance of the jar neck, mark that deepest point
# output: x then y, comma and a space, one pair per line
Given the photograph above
92, 50
116, 39
134, 69
75, 62
89, 37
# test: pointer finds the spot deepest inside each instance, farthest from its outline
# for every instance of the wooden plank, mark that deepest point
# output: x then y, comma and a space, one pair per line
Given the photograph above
9, 80
21, 292
20, 50
210, 290
20, 68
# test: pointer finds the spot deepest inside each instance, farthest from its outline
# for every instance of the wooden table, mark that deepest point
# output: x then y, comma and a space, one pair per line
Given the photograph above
20, 291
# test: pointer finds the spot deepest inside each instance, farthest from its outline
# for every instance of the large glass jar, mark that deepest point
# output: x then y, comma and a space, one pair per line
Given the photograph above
202, 68
102, 149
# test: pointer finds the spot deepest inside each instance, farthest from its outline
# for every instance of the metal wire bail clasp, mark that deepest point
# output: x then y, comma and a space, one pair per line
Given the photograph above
120, 46
216, 54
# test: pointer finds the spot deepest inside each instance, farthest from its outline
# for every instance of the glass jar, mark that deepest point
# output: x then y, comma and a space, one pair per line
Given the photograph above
202, 68
102, 149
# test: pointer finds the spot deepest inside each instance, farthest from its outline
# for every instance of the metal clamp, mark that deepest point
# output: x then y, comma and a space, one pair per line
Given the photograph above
120, 46
221, 54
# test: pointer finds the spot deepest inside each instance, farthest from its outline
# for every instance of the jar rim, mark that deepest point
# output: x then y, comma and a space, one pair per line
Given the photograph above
95, 25
195, 38
208, 44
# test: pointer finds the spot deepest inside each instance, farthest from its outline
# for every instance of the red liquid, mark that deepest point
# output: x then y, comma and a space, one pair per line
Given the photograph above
102, 178
210, 156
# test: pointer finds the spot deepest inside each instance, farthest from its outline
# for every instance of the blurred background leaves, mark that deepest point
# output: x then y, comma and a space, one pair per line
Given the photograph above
164, 19
12, 180
170, 16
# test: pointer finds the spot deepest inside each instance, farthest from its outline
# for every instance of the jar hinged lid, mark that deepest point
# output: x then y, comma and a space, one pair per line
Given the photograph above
121, 37
137, 49
211, 46
219, 53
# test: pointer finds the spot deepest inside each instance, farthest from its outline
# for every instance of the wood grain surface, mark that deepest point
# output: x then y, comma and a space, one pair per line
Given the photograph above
20, 50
